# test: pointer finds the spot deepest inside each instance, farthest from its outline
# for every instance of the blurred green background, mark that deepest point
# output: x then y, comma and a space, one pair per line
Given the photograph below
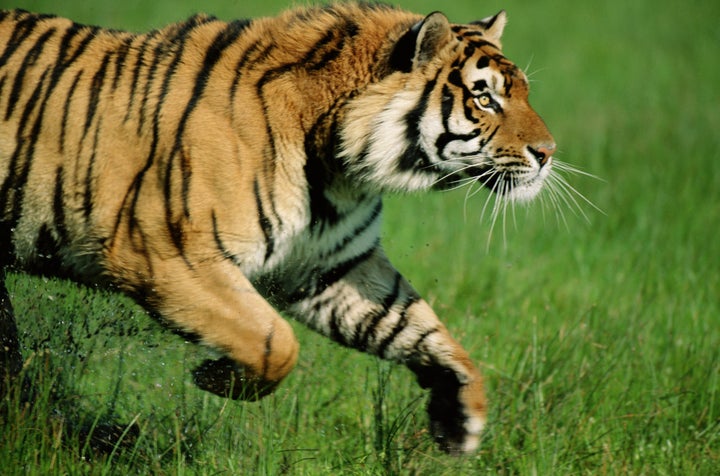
599, 337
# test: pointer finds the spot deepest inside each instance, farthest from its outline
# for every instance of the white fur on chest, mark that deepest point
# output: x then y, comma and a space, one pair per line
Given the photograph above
299, 259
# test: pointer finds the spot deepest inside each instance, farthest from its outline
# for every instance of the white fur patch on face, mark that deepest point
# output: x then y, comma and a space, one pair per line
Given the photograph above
529, 184
492, 78
381, 149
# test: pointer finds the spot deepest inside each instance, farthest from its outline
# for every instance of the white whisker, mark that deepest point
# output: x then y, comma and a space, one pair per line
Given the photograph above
450, 174
504, 214
569, 194
468, 195
566, 197
460, 183
499, 194
553, 195
557, 194
490, 196
565, 167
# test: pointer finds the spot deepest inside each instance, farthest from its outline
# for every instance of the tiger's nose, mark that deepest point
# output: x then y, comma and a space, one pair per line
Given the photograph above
542, 153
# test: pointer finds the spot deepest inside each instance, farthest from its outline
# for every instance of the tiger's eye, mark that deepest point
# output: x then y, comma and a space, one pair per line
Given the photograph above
483, 100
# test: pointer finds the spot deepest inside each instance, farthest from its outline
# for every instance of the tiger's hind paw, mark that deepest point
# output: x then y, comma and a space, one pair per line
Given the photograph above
227, 379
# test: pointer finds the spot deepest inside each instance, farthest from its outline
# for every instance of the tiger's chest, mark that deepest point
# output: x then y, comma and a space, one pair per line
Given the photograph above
303, 262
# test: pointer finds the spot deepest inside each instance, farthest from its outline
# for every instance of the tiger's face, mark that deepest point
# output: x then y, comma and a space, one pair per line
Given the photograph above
485, 129
457, 113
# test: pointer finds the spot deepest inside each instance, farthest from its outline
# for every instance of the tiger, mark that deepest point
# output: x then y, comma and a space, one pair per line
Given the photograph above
229, 175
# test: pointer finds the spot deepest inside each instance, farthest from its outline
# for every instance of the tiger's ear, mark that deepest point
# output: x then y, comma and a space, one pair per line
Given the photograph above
493, 27
420, 43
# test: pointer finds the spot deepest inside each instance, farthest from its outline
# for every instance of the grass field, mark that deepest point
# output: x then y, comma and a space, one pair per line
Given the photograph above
599, 337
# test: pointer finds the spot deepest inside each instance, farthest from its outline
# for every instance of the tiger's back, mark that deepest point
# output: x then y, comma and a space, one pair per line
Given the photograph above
140, 114
221, 171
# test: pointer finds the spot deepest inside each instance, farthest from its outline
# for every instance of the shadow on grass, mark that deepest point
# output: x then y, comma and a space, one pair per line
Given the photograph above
40, 415
49, 426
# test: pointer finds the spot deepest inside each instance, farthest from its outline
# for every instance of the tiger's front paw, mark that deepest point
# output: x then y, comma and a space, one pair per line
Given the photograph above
457, 416
227, 379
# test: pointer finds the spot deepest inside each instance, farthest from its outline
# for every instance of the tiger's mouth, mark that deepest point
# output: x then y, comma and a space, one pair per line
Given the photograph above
517, 183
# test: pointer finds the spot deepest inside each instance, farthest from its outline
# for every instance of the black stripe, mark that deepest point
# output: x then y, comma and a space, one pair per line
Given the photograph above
177, 42
426, 372
333, 275
132, 195
64, 60
403, 54
362, 339
27, 63
469, 51
23, 29
66, 110
321, 167
139, 63
246, 58
346, 30
480, 85
89, 178
334, 326
358, 230
66, 57
314, 59
455, 76
414, 153
477, 43
61, 63
486, 140
446, 109
265, 224
446, 137
96, 87
223, 40
157, 54
326, 278
224, 251
318, 178
401, 325
21, 159
174, 46
268, 352
120, 60
59, 222
421, 339
338, 332
169, 46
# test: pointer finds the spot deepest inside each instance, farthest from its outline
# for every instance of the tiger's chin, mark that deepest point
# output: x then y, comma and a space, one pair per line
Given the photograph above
523, 191
519, 186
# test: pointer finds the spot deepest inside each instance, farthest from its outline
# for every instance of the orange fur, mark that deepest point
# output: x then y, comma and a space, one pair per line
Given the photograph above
221, 171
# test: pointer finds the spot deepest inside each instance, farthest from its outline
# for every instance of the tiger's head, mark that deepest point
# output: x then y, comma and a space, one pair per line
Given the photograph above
452, 110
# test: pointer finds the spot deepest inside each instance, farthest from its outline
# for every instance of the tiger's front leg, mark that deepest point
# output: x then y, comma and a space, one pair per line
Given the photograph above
215, 303
371, 307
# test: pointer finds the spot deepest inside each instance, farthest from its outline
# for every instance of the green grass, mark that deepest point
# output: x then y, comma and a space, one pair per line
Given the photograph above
600, 341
